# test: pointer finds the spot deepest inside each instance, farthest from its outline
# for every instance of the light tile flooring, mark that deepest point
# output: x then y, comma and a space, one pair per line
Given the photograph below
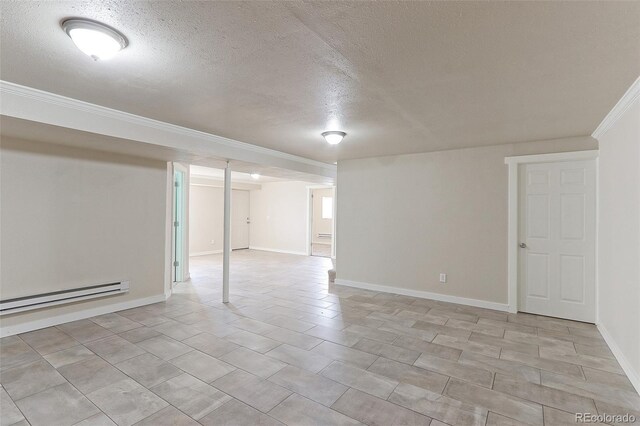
323, 250
289, 350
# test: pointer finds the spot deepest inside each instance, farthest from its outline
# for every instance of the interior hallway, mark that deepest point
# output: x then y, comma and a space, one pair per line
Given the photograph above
289, 349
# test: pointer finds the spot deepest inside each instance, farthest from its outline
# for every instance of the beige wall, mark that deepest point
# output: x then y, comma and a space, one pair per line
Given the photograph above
206, 214
278, 212
619, 237
320, 225
206, 220
403, 220
279, 217
72, 218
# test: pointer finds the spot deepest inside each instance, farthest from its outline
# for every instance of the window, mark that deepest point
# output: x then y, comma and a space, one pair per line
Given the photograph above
327, 207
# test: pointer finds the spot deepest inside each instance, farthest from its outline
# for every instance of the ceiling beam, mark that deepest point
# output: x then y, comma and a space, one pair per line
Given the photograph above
44, 107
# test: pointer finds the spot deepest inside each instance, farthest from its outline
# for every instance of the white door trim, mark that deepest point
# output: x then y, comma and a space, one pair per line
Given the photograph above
233, 218
513, 213
185, 230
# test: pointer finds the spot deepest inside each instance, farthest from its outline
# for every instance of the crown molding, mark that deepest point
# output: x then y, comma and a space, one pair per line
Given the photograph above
553, 157
627, 100
37, 105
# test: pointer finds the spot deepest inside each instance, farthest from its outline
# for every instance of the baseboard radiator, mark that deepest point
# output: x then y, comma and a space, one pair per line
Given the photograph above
37, 301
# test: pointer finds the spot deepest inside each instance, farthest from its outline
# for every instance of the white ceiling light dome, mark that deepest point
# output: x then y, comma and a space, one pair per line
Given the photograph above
333, 137
95, 39
255, 176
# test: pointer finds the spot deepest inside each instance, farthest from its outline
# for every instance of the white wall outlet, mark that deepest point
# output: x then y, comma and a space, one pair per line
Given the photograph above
443, 278
213, 242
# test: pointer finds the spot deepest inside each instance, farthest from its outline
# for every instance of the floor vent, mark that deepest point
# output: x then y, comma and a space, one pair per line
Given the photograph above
27, 303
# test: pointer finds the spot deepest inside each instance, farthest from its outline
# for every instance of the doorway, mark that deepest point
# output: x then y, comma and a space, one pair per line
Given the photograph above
240, 219
321, 226
556, 235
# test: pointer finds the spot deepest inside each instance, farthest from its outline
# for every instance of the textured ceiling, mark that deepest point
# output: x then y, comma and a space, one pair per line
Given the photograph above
398, 77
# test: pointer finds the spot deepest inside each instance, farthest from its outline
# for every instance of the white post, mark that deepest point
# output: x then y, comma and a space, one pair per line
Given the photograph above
227, 234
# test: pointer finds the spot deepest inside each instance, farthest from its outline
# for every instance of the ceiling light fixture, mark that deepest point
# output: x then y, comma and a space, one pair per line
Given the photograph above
334, 137
94, 38
255, 176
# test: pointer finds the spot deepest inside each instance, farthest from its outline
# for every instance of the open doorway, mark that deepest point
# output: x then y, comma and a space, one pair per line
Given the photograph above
321, 221
270, 223
267, 214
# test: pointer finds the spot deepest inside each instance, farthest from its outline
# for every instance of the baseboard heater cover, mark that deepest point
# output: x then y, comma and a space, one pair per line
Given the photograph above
37, 301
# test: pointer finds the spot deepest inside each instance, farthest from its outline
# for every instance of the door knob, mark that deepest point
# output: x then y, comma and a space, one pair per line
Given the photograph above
523, 245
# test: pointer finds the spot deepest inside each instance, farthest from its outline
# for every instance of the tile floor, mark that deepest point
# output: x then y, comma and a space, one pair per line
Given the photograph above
289, 350
323, 250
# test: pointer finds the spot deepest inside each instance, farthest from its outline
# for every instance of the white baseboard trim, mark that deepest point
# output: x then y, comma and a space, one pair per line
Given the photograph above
632, 374
425, 295
301, 253
78, 315
205, 253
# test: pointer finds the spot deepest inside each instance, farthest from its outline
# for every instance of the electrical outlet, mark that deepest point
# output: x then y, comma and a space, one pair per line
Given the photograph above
212, 242
443, 278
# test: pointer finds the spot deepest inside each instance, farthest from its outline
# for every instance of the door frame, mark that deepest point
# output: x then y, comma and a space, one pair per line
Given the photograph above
248, 191
177, 167
310, 189
513, 222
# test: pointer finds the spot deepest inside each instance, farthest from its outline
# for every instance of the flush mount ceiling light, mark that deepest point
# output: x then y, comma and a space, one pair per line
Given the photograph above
255, 176
334, 137
94, 38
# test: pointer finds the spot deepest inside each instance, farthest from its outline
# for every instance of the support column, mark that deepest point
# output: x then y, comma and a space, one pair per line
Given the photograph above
226, 253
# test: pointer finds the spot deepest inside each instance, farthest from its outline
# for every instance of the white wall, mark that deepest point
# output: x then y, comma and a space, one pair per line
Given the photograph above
206, 220
72, 218
619, 239
206, 213
402, 220
279, 217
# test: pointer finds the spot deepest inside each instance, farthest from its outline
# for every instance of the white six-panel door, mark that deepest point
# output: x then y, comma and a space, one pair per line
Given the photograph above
557, 228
